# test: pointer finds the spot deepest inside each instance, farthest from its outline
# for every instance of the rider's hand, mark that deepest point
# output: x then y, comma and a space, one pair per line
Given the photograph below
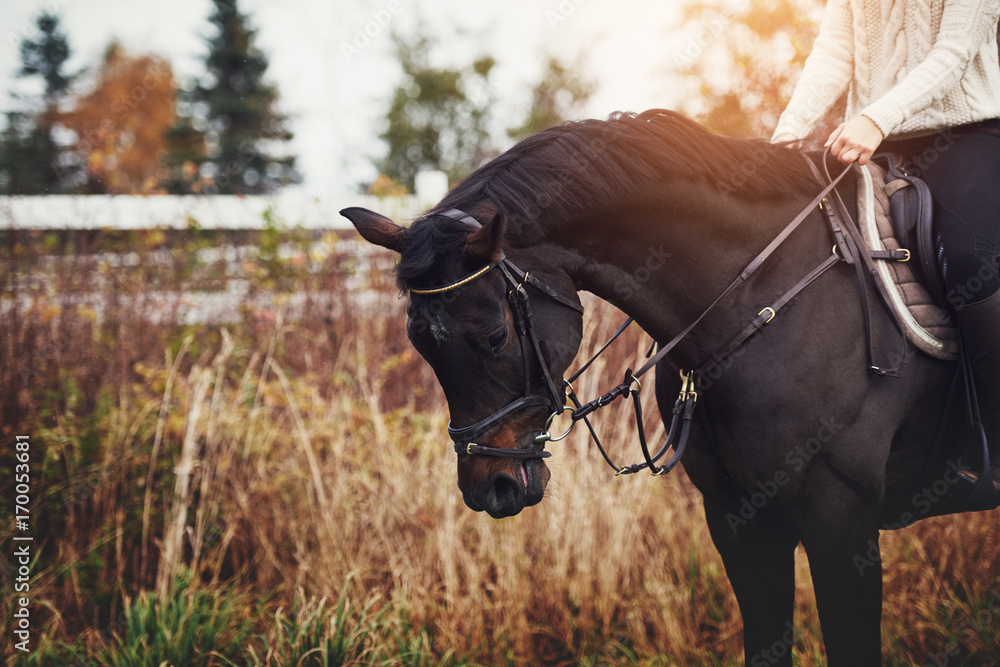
856, 139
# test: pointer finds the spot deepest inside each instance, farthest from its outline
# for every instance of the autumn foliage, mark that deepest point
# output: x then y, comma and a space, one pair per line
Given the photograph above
120, 124
741, 61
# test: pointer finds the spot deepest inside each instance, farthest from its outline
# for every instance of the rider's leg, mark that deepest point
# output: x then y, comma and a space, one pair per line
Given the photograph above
964, 177
979, 323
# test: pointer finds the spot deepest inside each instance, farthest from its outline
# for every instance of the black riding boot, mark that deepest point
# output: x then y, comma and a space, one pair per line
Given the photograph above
979, 324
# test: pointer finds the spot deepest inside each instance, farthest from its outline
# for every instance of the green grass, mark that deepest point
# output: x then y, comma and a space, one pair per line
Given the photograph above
228, 626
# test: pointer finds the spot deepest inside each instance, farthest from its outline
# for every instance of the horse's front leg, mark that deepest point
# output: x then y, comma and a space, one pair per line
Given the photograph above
759, 555
840, 534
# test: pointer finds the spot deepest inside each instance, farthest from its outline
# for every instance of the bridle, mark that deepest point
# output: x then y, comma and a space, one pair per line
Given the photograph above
850, 248
520, 305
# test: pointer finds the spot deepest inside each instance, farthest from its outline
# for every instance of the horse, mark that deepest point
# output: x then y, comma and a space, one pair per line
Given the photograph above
799, 437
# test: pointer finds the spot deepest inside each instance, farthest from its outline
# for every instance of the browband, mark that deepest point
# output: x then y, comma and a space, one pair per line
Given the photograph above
463, 217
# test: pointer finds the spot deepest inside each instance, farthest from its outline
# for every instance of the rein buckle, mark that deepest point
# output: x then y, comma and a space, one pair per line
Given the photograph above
688, 390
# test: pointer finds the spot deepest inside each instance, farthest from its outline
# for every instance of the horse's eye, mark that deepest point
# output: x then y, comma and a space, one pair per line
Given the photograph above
497, 339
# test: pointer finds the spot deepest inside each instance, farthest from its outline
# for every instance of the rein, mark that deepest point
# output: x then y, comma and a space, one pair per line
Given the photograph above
683, 412
851, 251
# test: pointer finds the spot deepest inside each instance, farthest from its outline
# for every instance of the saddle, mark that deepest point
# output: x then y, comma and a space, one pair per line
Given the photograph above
895, 214
895, 207
911, 212
918, 315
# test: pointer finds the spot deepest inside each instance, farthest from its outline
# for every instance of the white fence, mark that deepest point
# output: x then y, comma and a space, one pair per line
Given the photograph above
289, 209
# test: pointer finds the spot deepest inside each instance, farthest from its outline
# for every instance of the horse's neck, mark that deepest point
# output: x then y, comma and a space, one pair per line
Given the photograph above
664, 257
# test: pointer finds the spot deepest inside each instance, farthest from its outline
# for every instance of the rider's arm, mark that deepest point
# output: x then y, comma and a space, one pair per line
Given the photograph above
965, 28
827, 73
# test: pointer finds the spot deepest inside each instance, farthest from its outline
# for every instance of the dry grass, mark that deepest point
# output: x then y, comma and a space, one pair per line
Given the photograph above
286, 480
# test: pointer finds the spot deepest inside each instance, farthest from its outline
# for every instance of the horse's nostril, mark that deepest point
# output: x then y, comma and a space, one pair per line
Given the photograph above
506, 490
504, 496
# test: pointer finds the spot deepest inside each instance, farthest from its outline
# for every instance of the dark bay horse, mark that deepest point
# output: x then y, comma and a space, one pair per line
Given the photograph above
797, 441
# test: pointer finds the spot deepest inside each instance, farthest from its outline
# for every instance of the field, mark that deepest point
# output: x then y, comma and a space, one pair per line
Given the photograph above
237, 459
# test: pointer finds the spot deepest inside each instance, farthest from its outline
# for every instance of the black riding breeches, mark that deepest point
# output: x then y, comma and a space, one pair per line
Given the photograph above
962, 168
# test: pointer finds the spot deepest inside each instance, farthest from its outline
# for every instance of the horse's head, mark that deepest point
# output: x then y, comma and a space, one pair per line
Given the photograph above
499, 336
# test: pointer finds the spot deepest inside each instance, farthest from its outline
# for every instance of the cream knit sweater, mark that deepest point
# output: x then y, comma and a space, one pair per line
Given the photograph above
914, 67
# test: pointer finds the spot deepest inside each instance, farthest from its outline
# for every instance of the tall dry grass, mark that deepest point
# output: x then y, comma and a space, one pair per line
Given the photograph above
280, 489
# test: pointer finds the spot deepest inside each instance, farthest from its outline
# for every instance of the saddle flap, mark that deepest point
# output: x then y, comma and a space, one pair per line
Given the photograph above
928, 325
911, 209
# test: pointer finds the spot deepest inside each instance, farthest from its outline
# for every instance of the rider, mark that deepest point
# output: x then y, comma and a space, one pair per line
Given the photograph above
922, 80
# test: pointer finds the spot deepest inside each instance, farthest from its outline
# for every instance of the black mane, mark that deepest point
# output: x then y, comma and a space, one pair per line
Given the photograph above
588, 163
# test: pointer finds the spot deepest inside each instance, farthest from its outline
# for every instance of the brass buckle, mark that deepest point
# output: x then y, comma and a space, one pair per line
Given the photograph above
907, 258
567, 402
468, 448
764, 311
687, 387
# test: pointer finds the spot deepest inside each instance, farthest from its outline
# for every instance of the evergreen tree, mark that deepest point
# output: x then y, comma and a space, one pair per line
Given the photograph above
31, 162
185, 152
16, 174
438, 117
46, 56
240, 118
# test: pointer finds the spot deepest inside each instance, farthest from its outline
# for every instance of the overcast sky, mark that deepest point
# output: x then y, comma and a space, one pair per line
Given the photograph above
336, 91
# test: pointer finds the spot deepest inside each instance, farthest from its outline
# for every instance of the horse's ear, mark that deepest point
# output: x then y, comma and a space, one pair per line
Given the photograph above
485, 243
375, 228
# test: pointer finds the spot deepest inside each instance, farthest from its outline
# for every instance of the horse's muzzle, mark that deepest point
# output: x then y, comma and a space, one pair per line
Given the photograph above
504, 494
